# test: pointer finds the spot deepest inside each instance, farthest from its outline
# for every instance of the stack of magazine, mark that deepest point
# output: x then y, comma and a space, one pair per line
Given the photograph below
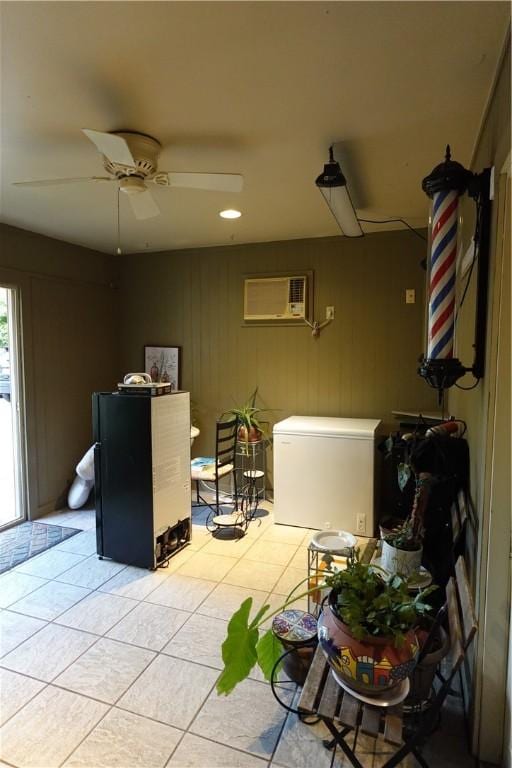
203, 464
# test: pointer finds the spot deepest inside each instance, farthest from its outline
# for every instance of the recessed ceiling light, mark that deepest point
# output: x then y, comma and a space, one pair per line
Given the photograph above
230, 214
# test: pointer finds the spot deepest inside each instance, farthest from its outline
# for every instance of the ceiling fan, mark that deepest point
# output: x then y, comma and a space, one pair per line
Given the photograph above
131, 159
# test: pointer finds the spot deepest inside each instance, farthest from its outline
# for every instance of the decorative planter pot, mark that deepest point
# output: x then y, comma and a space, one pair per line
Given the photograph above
371, 665
251, 435
402, 561
423, 675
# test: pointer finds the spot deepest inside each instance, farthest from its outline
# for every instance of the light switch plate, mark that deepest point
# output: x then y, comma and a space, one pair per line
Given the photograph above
410, 296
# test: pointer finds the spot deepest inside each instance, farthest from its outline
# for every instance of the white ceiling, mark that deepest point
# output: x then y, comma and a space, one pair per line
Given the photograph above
258, 88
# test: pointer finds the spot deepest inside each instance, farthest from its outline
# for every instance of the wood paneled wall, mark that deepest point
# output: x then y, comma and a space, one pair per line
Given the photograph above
70, 349
364, 363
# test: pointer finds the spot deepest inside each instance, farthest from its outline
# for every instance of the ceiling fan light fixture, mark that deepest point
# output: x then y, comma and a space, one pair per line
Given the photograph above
230, 213
333, 186
132, 185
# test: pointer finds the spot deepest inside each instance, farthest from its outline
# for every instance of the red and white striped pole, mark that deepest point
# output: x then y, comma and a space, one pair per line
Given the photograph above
443, 253
444, 185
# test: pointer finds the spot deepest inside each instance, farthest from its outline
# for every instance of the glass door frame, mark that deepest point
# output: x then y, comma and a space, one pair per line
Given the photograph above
14, 324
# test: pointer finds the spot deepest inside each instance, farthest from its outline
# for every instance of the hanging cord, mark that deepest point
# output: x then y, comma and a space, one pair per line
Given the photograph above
118, 223
390, 221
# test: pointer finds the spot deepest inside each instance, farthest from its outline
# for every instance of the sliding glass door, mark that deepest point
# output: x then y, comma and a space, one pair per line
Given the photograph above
12, 496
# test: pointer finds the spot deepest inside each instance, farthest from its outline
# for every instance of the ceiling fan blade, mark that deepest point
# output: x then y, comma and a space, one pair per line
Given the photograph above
143, 205
217, 182
51, 182
113, 147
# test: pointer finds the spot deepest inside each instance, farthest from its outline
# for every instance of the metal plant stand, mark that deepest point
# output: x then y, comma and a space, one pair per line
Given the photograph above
251, 468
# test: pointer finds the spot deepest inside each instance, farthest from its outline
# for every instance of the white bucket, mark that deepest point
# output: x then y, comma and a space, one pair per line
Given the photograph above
401, 561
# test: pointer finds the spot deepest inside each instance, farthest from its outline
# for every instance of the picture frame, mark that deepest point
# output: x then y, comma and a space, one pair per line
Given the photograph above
163, 364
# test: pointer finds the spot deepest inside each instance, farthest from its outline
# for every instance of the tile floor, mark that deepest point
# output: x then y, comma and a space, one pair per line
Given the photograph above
104, 665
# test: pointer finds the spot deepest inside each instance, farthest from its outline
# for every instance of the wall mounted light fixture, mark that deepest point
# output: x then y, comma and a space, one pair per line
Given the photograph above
333, 186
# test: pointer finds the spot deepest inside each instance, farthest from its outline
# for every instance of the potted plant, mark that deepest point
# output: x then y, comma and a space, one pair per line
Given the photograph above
367, 628
423, 675
249, 430
402, 548
374, 611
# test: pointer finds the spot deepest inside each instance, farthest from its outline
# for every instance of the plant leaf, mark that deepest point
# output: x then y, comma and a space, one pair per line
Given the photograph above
262, 611
238, 649
269, 650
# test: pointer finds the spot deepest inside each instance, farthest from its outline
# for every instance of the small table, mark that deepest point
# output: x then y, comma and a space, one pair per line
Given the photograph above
342, 713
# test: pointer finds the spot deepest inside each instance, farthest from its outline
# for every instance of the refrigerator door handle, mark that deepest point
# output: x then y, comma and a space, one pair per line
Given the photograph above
97, 497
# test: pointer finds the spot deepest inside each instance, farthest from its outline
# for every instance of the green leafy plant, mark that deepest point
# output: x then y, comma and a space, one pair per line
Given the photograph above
371, 605
404, 537
244, 646
366, 602
248, 415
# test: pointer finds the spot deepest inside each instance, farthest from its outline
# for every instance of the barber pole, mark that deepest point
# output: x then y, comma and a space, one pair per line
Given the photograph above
443, 252
446, 182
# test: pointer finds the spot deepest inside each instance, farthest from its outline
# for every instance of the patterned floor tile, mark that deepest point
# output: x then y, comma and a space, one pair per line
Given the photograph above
48, 728
16, 691
91, 572
50, 600
196, 752
170, 691
98, 612
82, 544
211, 567
15, 585
249, 719
149, 625
136, 583
182, 592
199, 640
106, 670
47, 653
246, 573
125, 740
275, 552
15, 629
50, 564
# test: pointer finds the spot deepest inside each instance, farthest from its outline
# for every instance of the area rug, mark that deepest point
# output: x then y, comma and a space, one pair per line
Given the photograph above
23, 541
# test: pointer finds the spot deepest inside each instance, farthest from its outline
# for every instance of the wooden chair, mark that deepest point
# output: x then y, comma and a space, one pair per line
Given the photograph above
343, 713
221, 466
459, 519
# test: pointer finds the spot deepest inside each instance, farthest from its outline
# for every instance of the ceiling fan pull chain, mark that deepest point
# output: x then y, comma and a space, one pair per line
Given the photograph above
118, 224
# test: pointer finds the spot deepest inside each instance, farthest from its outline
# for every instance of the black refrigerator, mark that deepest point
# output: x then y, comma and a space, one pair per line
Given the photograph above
142, 476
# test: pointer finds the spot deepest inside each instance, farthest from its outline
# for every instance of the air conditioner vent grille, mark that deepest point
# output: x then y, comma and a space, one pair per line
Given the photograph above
275, 298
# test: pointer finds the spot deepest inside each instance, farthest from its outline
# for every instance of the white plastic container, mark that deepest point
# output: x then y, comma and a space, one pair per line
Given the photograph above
402, 561
325, 473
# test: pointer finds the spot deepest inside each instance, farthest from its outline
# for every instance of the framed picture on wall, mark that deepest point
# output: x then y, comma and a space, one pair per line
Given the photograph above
163, 364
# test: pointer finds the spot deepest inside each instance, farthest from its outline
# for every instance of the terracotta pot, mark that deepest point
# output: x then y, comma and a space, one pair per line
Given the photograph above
403, 561
371, 665
423, 676
253, 435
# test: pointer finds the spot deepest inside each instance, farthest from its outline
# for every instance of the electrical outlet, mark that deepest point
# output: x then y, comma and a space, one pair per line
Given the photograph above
329, 313
410, 296
361, 523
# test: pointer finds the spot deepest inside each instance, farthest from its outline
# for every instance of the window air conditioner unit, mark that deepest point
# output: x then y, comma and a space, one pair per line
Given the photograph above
275, 298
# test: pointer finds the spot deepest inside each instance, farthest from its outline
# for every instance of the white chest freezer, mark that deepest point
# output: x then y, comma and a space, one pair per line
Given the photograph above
324, 473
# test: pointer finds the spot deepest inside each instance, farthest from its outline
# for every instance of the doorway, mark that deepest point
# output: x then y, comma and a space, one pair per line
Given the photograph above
12, 506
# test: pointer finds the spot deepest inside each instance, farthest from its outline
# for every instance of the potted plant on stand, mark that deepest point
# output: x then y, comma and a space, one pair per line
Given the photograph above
402, 548
248, 415
365, 611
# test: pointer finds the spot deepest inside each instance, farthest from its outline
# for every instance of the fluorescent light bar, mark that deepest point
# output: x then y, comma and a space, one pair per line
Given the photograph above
333, 186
